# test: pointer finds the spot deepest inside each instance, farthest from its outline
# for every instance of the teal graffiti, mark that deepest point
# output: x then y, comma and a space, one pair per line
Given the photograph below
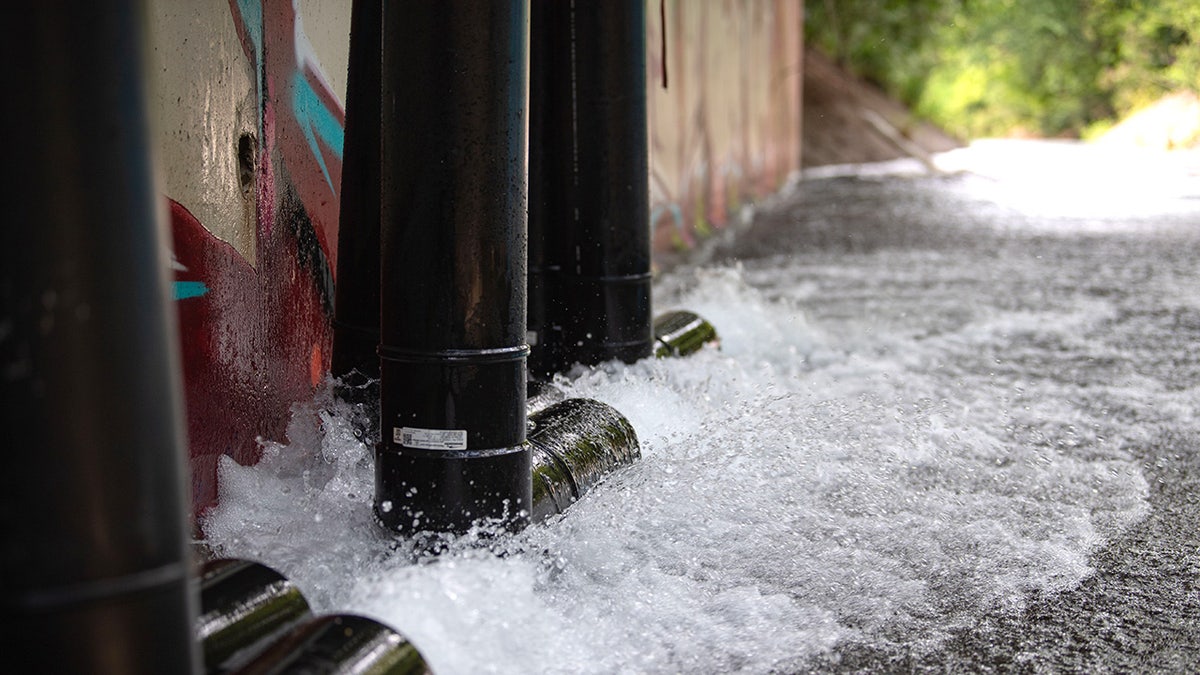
252, 19
317, 122
189, 289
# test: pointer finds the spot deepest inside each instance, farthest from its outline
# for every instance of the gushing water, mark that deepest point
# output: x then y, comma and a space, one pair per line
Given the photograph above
887, 445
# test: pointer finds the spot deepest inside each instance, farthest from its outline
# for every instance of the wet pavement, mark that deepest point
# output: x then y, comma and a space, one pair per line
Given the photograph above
951, 427
925, 258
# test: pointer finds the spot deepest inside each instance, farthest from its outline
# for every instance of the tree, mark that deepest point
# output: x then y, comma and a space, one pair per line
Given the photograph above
994, 67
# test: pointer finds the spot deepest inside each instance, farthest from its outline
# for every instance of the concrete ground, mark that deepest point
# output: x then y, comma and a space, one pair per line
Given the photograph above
927, 254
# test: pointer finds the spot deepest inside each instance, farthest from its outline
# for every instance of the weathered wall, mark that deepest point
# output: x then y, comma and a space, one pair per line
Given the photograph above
250, 138
725, 129
249, 122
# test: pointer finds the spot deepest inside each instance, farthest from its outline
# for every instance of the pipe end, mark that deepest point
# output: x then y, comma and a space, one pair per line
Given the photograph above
680, 332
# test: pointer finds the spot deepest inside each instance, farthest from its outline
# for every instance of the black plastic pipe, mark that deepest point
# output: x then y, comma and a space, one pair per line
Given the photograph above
356, 305
576, 444
254, 620
539, 72
93, 499
342, 643
244, 607
541, 395
589, 184
452, 351
681, 332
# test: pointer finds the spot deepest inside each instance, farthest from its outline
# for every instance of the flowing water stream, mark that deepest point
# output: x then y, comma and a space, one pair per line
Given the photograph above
937, 399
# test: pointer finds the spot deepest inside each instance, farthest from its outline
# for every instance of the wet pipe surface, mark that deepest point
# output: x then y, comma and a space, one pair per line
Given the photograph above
951, 426
254, 620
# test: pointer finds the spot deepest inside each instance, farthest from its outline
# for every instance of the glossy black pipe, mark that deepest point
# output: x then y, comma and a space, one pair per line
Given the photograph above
541, 395
93, 559
356, 305
452, 350
576, 444
339, 644
539, 72
681, 332
244, 607
589, 176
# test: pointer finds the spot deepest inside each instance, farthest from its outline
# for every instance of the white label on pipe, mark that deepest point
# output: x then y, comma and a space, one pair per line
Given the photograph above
430, 439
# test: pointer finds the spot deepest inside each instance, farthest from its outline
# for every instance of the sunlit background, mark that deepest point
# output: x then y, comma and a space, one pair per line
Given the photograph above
1053, 68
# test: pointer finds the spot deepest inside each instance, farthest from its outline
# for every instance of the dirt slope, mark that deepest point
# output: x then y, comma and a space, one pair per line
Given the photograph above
847, 121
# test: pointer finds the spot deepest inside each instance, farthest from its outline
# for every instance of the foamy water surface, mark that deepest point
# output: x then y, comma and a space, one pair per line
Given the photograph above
886, 446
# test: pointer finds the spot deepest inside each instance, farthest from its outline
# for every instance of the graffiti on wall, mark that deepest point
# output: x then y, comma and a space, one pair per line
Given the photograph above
253, 204
250, 131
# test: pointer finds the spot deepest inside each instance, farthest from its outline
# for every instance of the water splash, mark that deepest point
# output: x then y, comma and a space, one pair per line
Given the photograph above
808, 483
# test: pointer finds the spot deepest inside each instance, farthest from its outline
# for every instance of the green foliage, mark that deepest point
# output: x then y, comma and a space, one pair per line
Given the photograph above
995, 67
1157, 50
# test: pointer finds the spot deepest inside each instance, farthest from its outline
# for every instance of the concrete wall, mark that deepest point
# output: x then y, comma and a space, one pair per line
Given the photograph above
248, 111
725, 129
249, 130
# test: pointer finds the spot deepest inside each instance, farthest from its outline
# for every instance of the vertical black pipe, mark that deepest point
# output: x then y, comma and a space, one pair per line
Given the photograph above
535, 320
356, 306
94, 557
589, 177
452, 350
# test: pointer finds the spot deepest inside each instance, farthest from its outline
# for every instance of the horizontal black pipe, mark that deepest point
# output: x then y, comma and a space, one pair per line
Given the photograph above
93, 557
681, 332
542, 395
589, 184
356, 305
244, 607
452, 350
576, 444
342, 643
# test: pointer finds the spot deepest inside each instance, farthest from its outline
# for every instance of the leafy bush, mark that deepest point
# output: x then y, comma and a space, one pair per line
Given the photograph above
998, 67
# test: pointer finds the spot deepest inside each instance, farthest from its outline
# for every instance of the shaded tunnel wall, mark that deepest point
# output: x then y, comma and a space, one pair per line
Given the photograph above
725, 130
247, 109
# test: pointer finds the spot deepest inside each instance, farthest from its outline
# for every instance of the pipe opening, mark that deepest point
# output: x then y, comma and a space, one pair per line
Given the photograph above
247, 150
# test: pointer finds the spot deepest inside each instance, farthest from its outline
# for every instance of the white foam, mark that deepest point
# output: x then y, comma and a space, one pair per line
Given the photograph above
883, 476
779, 507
